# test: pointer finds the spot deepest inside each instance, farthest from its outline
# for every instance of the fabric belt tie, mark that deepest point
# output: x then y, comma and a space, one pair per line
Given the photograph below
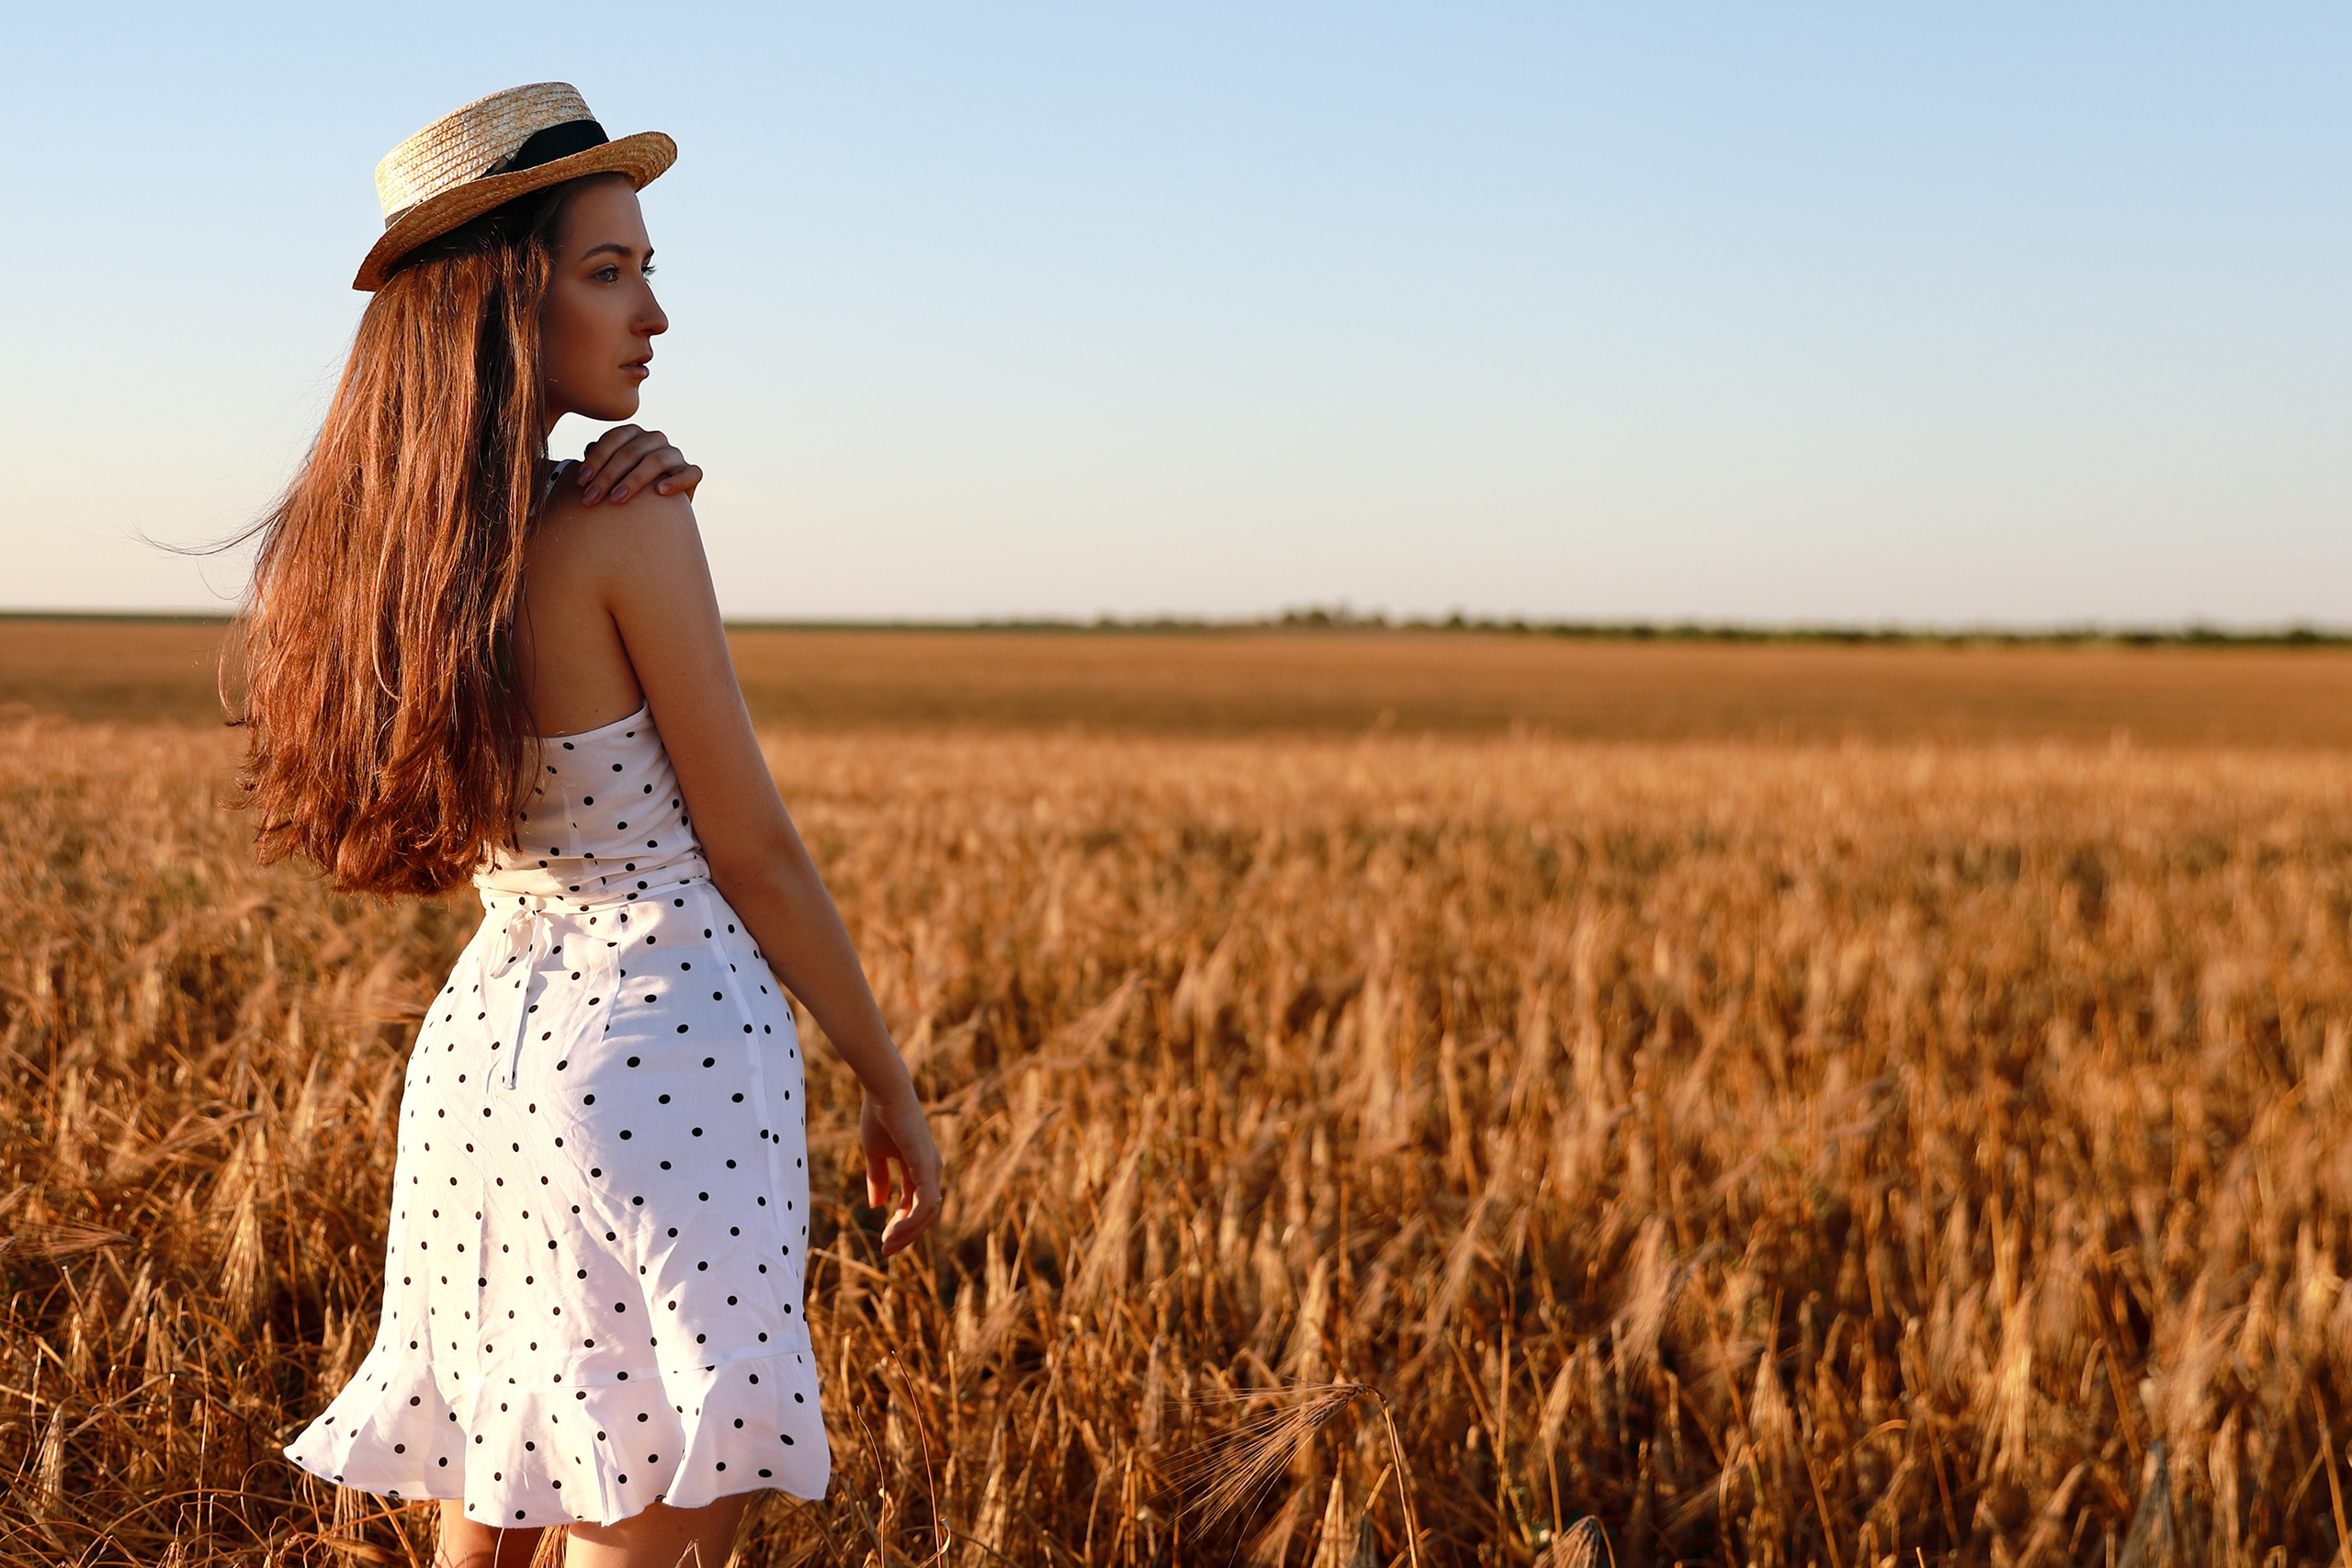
514, 945
521, 942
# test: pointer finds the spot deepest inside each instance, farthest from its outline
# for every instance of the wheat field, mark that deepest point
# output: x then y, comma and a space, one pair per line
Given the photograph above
1239, 680
1829, 1156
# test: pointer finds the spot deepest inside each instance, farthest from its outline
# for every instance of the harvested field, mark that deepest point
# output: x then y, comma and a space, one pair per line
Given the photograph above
1850, 1155
1350, 682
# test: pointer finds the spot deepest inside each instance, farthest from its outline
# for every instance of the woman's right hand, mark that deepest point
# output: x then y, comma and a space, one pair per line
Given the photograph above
896, 1132
627, 459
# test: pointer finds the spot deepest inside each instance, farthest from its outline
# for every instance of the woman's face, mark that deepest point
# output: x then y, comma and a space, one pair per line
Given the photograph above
598, 325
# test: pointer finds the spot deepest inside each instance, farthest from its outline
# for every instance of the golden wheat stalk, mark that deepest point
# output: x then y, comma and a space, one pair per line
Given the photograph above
1229, 1474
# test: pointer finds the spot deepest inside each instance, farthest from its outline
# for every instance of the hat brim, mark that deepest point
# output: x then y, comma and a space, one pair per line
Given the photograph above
642, 157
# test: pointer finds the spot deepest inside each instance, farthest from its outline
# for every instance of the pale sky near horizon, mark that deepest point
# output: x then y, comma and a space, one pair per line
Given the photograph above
2001, 314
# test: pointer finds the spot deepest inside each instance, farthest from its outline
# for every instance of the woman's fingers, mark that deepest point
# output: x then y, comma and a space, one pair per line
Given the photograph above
900, 1150
604, 446
919, 1185
666, 467
914, 1215
600, 452
624, 462
614, 459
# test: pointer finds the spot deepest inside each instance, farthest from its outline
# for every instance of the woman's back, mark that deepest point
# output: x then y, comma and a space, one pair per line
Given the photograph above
569, 655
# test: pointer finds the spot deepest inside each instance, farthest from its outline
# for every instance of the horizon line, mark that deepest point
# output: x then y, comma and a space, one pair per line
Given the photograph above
1342, 619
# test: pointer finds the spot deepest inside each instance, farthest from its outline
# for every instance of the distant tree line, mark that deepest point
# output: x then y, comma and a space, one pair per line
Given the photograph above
1314, 618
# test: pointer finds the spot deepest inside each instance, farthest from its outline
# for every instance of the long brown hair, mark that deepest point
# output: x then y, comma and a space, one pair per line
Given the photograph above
389, 741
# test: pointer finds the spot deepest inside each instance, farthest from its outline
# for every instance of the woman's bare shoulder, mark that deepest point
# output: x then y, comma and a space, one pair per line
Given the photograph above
610, 543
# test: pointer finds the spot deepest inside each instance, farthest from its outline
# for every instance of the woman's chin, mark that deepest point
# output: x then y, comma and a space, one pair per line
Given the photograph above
612, 410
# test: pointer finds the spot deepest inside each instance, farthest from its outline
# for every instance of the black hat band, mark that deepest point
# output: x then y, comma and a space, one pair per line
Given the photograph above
545, 146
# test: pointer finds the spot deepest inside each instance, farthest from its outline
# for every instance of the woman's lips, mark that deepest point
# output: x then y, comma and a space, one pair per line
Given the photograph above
637, 369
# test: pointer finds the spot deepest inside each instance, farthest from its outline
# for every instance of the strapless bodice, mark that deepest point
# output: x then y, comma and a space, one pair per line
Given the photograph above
605, 820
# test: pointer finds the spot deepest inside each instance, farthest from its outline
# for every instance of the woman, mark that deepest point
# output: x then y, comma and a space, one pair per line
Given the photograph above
466, 663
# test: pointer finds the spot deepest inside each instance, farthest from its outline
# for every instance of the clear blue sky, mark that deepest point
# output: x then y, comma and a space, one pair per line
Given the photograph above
1995, 313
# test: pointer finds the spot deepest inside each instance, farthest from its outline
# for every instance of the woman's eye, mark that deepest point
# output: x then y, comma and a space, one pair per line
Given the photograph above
606, 275
646, 271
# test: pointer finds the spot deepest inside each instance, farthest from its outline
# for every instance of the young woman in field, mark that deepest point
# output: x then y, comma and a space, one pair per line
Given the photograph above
465, 663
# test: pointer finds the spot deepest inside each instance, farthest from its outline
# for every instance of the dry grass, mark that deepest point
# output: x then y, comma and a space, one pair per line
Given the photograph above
1805, 1156
1331, 682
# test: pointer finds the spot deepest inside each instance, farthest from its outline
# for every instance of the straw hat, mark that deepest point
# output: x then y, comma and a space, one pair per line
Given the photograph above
491, 151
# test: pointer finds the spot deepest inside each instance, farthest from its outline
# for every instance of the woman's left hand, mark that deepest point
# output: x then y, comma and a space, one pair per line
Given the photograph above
897, 1142
624, 460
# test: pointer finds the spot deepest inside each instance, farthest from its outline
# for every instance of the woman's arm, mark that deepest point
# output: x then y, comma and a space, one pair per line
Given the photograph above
656, 585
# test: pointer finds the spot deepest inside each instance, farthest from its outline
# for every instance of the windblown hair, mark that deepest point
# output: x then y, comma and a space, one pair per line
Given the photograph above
390, 742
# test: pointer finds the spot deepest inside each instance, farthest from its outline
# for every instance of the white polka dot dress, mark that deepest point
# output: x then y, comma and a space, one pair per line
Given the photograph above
600, 1209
